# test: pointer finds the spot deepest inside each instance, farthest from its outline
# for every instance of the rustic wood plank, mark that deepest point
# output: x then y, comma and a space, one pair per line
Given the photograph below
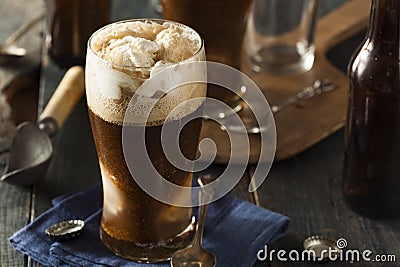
307, 189
14, 214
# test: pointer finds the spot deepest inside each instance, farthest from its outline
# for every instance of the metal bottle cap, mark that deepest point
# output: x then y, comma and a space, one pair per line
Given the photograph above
65, 230
320, 245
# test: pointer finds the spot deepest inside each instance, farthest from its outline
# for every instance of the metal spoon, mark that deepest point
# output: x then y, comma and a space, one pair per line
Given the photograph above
8, 47
318, 87
250, 122
195, 255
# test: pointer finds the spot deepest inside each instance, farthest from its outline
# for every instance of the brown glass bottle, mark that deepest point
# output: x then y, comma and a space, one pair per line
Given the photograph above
69, 26
371, 180
222, 24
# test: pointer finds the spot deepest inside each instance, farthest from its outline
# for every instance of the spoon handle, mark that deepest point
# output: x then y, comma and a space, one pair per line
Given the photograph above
67, 94
319, 87
204, 197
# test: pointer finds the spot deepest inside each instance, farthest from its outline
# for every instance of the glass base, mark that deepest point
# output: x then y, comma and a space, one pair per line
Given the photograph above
282, 60
149, 252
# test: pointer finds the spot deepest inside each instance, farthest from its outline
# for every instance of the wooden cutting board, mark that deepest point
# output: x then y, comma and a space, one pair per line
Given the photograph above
298, 128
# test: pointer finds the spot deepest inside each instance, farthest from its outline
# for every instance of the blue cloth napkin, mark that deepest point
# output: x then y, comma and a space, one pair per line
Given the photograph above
235, 231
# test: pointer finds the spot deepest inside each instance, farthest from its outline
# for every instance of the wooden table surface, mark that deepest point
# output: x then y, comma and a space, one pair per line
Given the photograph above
306, 187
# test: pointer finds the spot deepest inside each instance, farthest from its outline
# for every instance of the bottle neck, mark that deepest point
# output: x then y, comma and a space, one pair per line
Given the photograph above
384, 20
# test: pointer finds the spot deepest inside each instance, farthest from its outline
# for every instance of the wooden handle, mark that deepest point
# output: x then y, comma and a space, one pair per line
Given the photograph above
340, 24
67, 94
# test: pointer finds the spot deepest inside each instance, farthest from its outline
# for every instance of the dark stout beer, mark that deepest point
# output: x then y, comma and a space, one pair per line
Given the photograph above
132, 219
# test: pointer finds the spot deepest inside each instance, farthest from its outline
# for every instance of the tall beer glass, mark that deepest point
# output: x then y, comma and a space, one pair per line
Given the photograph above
120, 58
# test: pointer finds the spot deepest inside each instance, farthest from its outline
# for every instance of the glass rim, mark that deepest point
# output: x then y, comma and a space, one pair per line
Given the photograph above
159, 21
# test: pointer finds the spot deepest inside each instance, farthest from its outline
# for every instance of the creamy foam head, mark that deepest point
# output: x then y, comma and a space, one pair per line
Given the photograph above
122, 56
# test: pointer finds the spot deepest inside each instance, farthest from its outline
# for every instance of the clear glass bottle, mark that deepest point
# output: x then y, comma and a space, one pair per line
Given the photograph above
371, 179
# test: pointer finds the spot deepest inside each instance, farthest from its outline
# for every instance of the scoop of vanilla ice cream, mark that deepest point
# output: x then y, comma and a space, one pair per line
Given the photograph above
177, 44
132, 52
117, 31
143, 44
